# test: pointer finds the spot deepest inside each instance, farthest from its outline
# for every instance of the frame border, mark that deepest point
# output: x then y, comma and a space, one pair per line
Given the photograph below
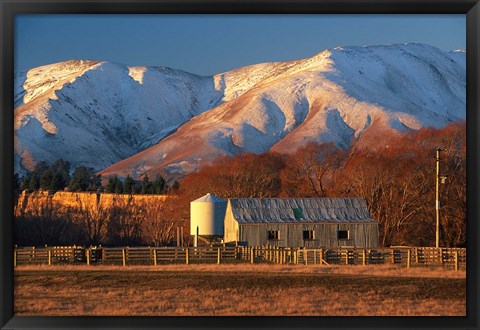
10, 8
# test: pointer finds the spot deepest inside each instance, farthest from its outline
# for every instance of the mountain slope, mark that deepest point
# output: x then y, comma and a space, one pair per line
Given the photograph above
95, 114
149, 120
349, 96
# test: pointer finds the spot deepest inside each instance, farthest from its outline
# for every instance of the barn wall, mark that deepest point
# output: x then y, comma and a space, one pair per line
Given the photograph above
230, 226
325, 234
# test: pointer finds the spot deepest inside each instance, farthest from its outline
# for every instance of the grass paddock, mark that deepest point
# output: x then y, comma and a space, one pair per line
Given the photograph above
242, 289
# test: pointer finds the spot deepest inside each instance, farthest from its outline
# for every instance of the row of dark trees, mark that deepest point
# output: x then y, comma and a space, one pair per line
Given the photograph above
130, 186
56, 176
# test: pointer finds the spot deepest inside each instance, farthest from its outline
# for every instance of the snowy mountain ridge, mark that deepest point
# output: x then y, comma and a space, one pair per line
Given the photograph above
148, 120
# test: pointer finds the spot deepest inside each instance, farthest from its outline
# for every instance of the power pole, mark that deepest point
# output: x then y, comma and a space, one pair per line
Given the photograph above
438, 177
437, 198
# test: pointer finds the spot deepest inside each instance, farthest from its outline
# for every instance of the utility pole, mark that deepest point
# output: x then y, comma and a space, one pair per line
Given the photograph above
437, 199
438, 177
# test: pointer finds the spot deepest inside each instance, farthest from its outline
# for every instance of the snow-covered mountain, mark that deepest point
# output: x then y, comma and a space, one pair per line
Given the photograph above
97, 113
139, 120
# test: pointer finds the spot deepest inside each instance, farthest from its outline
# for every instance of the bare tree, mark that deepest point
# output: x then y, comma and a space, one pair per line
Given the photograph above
157, 227
93, 220
126, 217
45, 222
311, 171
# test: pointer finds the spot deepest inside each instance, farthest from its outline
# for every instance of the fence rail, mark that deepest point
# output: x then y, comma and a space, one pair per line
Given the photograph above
454, 258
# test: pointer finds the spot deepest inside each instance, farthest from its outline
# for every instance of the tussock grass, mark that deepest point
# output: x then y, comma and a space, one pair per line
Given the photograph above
242, 289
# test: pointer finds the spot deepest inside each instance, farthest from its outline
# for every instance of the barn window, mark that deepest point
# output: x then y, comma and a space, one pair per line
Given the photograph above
342, 234
273, 234
308, 234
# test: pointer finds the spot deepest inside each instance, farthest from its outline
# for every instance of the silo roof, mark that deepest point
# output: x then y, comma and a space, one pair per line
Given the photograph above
210, 198
300, 210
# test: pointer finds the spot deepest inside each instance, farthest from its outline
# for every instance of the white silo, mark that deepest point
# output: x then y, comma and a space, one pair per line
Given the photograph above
206, 217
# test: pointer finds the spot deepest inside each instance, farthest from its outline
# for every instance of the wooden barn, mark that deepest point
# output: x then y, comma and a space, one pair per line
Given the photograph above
300, 222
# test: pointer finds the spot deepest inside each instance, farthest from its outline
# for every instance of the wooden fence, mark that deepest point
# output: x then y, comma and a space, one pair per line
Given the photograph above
454, 258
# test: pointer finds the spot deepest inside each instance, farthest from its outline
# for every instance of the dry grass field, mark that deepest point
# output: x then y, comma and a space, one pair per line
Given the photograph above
177, 290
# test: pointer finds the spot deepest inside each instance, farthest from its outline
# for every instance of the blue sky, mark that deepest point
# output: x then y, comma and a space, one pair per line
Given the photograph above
209, 44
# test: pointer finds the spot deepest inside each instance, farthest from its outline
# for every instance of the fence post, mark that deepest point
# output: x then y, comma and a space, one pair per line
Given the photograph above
409, 255
181, 236
219, 256
416, 255
154, 256
87, 252
49, 253
14, 257
321, 257
346, 257
456, 260
186, 256
393, 256
252, 255
364, 258
124, 257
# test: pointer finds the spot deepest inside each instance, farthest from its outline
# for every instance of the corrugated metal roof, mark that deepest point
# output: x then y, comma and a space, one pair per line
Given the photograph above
280, 210
210, 198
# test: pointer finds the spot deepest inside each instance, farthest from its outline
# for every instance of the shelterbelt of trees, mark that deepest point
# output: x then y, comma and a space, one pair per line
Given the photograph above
396, 178
56, 176
125, 221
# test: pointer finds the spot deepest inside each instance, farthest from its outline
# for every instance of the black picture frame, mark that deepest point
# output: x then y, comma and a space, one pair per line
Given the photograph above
10, 8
